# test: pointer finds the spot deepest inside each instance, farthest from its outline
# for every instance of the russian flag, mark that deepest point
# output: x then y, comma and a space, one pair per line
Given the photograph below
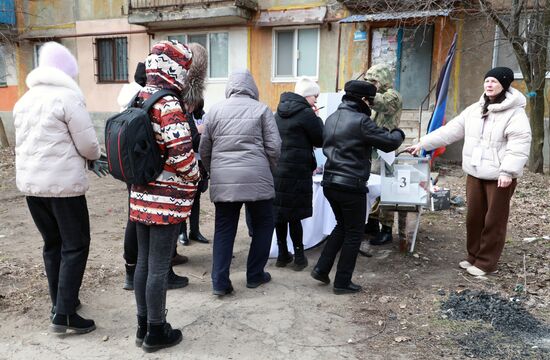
438, 116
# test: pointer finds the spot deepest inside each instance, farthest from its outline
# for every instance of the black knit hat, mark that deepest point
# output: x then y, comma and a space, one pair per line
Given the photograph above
504, 75
360, 89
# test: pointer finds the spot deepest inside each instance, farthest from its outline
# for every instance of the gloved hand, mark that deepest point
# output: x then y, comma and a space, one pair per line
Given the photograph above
99, 167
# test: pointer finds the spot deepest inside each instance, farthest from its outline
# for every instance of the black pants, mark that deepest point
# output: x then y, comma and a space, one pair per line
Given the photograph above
296, 234
65, 227
193, 217
227, 220
350, 210
130, 237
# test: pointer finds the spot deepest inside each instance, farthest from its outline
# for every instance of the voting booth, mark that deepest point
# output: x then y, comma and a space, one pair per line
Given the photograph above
405, 186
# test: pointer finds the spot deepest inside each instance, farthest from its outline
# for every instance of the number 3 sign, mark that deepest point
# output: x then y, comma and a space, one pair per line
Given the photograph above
403, 181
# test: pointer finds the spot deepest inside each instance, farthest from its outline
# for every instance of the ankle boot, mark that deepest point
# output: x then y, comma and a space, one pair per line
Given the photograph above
141, 330
61, 323
160, 336
383, 237
182, 238
284, 257
129, 279
300, 260
372, 227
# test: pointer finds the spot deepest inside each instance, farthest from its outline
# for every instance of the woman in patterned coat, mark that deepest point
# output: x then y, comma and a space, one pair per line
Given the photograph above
160, 206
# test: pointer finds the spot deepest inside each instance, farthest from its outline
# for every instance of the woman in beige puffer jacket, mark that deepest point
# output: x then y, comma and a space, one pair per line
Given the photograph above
54, 139
497, 138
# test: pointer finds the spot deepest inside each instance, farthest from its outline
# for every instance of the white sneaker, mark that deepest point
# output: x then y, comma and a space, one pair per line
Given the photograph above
464, 264
475, 271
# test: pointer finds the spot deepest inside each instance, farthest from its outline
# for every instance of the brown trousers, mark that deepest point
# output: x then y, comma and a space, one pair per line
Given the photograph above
486, 221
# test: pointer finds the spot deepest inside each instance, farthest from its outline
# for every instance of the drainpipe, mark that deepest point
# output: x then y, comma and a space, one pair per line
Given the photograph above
338, 56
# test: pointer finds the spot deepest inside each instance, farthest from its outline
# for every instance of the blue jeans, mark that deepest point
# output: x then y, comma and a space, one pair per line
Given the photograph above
227, 220
155, 249
350, 210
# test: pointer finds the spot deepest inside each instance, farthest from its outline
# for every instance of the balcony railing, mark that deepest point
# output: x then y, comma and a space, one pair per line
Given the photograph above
146, 4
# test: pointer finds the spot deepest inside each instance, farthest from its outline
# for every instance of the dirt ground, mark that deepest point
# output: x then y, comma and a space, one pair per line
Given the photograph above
398, 315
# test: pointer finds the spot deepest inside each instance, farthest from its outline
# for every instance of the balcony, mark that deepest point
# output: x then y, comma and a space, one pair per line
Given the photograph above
166, 14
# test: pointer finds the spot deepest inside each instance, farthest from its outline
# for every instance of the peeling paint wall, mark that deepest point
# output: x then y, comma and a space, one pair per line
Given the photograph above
101, 9
48, 12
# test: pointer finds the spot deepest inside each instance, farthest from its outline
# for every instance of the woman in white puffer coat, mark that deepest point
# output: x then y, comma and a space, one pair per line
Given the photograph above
497, 138
55, 138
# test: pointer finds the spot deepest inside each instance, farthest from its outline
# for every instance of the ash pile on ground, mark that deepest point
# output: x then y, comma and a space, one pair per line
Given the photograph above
502, 328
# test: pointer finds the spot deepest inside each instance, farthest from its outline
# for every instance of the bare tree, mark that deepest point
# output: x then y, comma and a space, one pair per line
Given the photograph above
525, 24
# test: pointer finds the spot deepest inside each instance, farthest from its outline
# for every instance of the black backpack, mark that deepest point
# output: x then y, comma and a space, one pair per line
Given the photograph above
133, 154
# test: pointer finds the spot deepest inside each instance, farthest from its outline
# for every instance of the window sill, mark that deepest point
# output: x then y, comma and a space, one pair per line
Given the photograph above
113, 82
217, 80
290, 79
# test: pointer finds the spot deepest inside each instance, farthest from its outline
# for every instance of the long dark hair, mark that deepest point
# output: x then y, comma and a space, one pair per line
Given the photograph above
497, 100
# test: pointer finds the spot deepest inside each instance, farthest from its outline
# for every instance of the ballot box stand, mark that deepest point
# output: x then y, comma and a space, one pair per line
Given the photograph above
405, 186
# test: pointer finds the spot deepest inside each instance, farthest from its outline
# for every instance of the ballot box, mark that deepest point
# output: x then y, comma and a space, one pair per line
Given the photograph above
405, 184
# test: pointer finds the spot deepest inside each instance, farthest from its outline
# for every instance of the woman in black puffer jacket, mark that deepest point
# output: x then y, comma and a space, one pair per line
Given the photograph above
300, 129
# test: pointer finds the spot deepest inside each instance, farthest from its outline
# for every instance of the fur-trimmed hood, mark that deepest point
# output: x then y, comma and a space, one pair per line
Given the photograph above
194, 87
46, 75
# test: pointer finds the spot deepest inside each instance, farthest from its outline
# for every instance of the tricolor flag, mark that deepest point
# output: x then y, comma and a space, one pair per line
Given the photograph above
438, 116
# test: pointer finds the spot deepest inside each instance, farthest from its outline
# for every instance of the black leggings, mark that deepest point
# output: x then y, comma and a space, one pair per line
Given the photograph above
296, 232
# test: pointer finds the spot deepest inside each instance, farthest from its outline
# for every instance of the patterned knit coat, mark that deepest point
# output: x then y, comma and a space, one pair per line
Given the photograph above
169, 198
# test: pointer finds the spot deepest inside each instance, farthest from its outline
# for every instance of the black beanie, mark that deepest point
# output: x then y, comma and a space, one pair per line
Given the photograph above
504, 75
360, 89
140, 76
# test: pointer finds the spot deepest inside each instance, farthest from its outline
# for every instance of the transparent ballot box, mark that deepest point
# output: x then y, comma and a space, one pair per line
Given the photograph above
405, 185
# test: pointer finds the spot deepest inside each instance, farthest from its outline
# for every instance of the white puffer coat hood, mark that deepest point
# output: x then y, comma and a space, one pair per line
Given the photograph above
54, 136
504, 137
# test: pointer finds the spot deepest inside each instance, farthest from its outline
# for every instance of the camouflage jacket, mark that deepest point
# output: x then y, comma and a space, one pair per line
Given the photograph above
387, 109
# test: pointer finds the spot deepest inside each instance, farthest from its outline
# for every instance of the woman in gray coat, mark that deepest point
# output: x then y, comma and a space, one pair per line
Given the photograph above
240, 147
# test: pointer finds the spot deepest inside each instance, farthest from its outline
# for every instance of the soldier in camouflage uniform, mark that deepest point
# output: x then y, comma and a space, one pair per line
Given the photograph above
386, 109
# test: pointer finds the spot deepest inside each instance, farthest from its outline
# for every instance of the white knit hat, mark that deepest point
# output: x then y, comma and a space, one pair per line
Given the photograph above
306, 87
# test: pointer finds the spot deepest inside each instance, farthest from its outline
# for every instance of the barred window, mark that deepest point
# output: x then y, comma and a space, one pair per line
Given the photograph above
112, 59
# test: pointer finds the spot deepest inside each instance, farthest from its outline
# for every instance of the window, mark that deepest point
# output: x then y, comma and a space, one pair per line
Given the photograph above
217, 45
112, 60
295, 53
36, 54
3, 70
503, 52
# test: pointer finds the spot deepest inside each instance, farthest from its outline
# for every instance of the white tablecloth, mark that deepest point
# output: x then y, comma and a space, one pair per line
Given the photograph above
317, 227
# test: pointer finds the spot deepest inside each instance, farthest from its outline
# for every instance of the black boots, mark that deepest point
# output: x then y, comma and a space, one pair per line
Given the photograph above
351, 288
198, 237
175, 281
141, 330
129, 279
300, 260
383, 237
61, 323
183, 239
160, 336
372, 227
77, 306
318, 275
284, 256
